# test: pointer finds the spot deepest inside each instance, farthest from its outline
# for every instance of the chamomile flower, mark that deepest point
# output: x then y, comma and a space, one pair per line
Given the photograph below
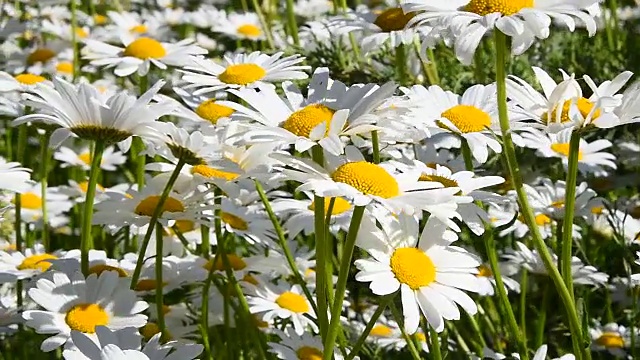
84, 111
138, 54
299, 346
242, 26
21, 82
99, 262
193, 148
330, 111
611, 337
242, 70
132, 24
16, 265
300, 214
591, 160
563, 104
82, 304
549, 197
523, 21
379, 27
281, 302
312, 9
487, 281
31, 201
111, 158
14, 177
472, 117
427, 270
362, 182
248, 221
63, 30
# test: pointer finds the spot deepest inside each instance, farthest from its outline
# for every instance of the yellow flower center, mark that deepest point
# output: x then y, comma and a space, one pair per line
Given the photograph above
150, 203
293, 302
467, 118
65, 67
100, 19
249, 30
85, 318
36, 262
597, 210
558, 204
29, 79
85, 185
242, 74
138, 29
306, 119
610, 340
484, 271
40, 55
235, 262
309, 353
234, 221
145, 48
421, 337
381, 331
260, 323
542, 220
149, 330
213, 173
563, 149
413, 267
212, 112
368, 178
250, 279
446, 182
340, 206
184, 226
392, 19
100, 268
31, 201
584, 106
85, 158
81, 33
148, 285
505, 7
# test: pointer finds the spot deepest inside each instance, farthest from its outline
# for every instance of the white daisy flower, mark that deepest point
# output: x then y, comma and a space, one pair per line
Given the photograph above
363, 182
250, 222
14, 177
63, 30
242, 26
131, 24
524, 21
549, 197
31, 204
472, 116
331, 110
300, 214
195, 148
312, 9
281, 302
137, 55
99, 262
21, 82
299, 346
31, 262
176, 272
563, 105
111, 158
242, 70
81, 306
487, 281
84, 111
612, 338
428, 276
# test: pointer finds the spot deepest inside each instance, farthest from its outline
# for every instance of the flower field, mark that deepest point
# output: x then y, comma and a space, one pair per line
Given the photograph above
319, 179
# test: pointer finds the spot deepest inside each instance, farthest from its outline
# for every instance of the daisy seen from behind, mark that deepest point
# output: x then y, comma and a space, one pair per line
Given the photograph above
428, 271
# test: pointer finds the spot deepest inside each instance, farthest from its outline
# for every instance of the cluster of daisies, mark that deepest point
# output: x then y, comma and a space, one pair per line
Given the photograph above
177, 182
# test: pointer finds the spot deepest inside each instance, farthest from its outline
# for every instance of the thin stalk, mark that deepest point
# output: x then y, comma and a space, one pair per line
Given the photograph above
86, 241
343, 274
293, 26
466, 155
159, 284
435, 344
322, 259
375, 143
157, 212
401, 63
415, 354
205, 234
542, 317
44, 165
514, 173
524, 279
74, 39
433, 67
382, 305
569, 211
283, 244
263, 23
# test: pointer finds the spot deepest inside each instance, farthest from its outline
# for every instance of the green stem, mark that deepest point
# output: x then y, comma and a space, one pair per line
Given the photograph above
140, 160
283, 244
293, 26
74, 39
524, 279
159, 284
375, 143
434, 79
569, 211
466, 154
157, 212
263, 23
205, 234
401, 64
435, 344
382, 305
86, 242
542, 317
514, 173
415, 354
322, 259
44, 168
343, 274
